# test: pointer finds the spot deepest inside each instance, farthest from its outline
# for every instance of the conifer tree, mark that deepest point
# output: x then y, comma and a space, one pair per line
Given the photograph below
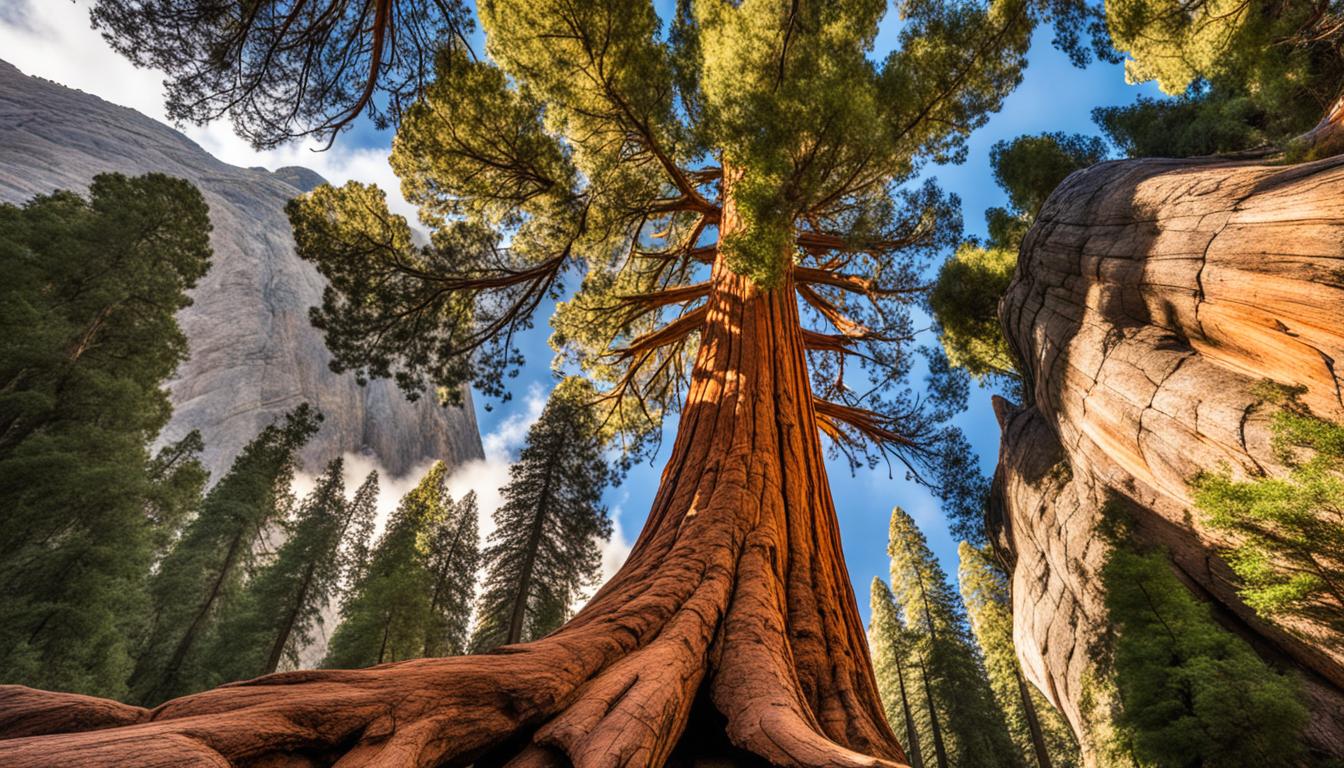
890, 642
1036, 727
453, 560
735, 195
1245, 74
389, 614
966, 727
544, 549
965, 297
281, 606
1191, 693
201, 577
88, 335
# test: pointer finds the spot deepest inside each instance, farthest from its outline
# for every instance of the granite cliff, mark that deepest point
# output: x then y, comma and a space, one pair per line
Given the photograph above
253, 353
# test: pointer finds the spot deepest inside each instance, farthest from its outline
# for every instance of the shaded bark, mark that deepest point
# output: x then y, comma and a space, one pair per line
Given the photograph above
1151, 297
1038, 747
911, 735
935, 727
732, 628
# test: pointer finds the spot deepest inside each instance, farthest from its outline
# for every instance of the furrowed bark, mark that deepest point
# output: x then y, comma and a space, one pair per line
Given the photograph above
731, 632
1151, 297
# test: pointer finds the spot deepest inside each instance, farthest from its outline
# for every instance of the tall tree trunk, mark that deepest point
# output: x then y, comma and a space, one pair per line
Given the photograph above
1033, 721
167, 678
1151, 298
935, 727
733, 616
911, 735
282, 638
519, 612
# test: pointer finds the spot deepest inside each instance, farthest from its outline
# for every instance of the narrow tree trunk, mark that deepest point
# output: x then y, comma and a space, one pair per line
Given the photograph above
169, 674
519, 612
282, 639
911, 735
1033, 721
733, 614
939, 748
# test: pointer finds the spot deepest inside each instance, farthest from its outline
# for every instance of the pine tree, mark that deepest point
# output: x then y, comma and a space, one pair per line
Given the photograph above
281, 606
1191, 693
892, 662
965, 297
454, 558
202, 575
545, 546
966, 727
390, 613
1036, 727
87, 338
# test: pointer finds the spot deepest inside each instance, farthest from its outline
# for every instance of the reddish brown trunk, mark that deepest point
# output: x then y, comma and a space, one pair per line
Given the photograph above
734, 613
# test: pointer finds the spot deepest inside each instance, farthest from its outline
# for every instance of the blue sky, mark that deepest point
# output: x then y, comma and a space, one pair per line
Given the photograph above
1054, 96
52, 39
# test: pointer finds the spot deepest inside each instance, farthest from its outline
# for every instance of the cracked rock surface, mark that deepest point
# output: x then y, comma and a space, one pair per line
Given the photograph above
253, 353
1150, 298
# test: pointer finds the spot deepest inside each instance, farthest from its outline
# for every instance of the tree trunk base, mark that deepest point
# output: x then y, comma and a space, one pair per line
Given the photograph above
730, 636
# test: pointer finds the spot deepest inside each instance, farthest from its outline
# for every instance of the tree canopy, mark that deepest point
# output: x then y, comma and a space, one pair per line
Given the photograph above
599, 142
1191, 692
87, 338
279, 69
965, 297
1246, 72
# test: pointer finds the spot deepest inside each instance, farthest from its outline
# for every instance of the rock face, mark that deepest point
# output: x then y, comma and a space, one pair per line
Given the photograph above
253, 353
1150, 298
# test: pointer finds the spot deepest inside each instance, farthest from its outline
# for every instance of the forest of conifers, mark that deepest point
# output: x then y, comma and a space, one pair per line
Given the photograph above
725, 215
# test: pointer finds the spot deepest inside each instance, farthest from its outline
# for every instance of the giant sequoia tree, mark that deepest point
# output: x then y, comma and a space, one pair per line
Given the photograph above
736, 194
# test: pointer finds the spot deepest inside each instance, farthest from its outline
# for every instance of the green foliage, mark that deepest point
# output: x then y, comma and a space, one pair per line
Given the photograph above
594, 141
202, 576
414, 594
281, 605
1039, 732
1246, 73
893, 665
280, 69
1192, 694
1203, 122
965, 297
1029, 168
1289, 531
964, 726
545, 547
453, 559
87, 338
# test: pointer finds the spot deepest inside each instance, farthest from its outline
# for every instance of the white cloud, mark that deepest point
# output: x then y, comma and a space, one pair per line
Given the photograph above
58, 43
615, 550
487, 476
